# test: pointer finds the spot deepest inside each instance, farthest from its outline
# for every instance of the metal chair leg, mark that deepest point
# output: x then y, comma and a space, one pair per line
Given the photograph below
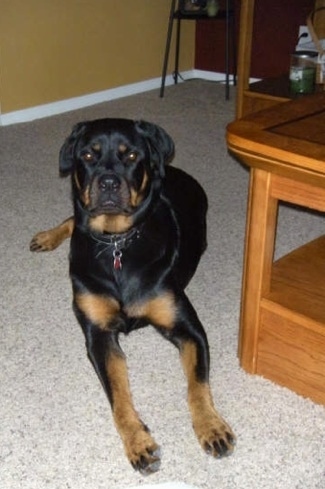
227, 51
178, 37
167, 49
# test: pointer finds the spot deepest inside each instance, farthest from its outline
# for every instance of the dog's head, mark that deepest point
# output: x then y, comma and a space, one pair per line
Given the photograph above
117, 168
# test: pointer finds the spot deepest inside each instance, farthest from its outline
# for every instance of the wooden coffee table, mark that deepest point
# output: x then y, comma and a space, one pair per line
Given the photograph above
282, 325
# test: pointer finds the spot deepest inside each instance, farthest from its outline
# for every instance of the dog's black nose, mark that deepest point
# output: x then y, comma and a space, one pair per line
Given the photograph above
109, 182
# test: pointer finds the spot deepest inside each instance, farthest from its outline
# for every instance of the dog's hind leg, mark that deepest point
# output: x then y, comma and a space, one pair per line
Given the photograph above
52, 238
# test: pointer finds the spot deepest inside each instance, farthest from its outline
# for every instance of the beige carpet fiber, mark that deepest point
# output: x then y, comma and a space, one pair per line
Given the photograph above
56, 426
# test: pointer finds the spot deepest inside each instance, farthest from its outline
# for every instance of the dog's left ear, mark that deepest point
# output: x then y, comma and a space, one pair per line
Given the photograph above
161, 144
66, 157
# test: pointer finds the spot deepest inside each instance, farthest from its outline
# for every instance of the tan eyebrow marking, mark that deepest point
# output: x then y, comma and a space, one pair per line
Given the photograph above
96, 147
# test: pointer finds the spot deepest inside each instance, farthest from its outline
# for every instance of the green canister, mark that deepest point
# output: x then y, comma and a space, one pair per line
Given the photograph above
303, 72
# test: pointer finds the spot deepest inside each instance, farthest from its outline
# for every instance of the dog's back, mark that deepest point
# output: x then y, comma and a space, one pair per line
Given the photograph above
190, 205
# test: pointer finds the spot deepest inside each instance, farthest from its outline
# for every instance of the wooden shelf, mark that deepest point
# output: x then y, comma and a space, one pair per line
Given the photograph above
297, 281
264, 94
291, 337
274, 87
221, 15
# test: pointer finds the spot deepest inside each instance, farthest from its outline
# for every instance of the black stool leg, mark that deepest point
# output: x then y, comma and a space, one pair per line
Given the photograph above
227, 50
178, 37
167, 49
234, 47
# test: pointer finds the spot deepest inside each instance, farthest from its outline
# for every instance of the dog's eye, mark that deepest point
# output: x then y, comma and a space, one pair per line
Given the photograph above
88, 157
132, 156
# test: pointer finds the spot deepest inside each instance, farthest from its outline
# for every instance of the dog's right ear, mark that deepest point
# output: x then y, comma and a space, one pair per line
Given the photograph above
66, 157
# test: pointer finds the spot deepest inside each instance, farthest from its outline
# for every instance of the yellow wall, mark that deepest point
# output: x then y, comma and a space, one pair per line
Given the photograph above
52, 50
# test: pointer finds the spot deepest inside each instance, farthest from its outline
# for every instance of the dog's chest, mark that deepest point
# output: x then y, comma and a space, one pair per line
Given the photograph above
125, 272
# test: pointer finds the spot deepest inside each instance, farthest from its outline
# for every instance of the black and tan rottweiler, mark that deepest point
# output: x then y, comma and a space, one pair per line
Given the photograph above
137, 235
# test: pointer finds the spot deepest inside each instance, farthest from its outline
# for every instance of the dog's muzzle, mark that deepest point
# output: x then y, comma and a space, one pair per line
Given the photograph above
109, 194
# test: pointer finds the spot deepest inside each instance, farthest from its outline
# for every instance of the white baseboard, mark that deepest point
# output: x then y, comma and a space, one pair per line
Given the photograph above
210, 76
75, 103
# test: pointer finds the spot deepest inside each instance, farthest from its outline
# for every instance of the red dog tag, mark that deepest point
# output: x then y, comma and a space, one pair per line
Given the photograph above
117, 255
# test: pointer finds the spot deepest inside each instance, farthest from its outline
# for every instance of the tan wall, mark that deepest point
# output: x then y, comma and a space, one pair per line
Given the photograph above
51, 50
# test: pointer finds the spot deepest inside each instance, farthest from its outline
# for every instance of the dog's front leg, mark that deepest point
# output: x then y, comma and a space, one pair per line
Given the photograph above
187, 333
52, 238
100, 322
141, 449
213, 433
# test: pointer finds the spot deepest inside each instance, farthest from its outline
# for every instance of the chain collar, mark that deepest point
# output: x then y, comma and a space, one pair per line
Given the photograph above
115, 243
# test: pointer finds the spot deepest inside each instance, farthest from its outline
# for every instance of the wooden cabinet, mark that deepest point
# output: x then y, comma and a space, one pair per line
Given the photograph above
282, 326
252, 97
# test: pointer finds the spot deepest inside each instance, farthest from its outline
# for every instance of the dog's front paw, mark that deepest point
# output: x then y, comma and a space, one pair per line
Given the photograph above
143, 452
41, 242
215, 435
45, 241
52, 238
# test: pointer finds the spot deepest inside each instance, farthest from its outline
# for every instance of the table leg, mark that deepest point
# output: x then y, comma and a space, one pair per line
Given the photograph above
259, 250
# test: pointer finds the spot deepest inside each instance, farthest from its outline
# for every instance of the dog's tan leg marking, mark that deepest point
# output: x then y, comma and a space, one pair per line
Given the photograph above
161, 310
213, 433
52, 238
140, 448
100, 309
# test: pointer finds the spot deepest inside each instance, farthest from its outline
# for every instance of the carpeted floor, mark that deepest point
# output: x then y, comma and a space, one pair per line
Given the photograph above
56, 426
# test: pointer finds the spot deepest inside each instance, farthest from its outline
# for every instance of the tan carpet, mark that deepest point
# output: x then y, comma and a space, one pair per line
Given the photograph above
56, 426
